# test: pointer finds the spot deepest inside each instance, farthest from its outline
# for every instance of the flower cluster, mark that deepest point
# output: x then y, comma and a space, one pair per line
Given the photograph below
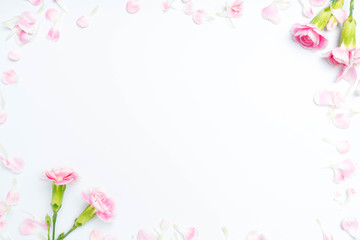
98, 205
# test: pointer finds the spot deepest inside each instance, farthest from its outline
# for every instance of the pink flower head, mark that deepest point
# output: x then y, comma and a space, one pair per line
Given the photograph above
329, 98
236, 9
104, 206
27, 22
61, 176
341, 56
309, 36
35, 2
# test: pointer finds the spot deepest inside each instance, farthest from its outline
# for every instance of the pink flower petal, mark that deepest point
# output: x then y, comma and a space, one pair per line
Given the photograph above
347, 167
350, 193
166, 5
328, 98
347, 74
236, 9
338, 176
343, 147
350, 225
14, 55
189, 8
83, 21
10, 77
200, 16
28, 227
308, 12
35, 2
14, 164
332, 23
255, 236
188, 233
13, 196
3, 208
146, 235
53, 34
317, 3
271, 13
52, 14
27, 22
341, 120
339, 14
24, 37
96, 235
132, 6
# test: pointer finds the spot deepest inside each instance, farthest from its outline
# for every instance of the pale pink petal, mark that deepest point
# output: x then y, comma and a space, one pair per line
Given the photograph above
3, 116
23, 37
308, 12
255, 236
10, 77
200, 16
28, 227
338, 176
96, 235
355, 56
35, 2
341, 120
236, 9
14, 55
189, 8
347, 167
271, 13
83, 21
317, 3
146, 235
86, 197
350, 192
166, 5
52, 14
13, 196
14, 164
188, 233
328, 98
339, 14
343, 147
347, 74
3, 208
53, 34
27, 22
132, 6
350, 225
332, 24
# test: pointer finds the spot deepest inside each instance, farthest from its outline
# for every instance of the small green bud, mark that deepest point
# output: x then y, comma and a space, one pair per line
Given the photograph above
48, 221
88, 214
348, 33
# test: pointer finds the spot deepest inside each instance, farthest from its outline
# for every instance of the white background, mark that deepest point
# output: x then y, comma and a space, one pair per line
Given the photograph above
206, 126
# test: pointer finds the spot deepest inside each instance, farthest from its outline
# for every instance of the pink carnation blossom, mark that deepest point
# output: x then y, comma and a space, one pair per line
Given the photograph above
309, 36
61, 176
104, 206
343, 170
23, 37
342, 120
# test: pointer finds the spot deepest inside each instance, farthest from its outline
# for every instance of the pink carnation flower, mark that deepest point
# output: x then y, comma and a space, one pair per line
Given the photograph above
341, 56
61, 176
104, 206
309, 36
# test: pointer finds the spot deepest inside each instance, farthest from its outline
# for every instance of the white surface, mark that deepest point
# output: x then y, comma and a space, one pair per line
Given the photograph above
206, 126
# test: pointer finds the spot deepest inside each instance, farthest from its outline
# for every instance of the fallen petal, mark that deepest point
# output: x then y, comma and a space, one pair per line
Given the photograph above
271, 13
13, 196
200, 16
96, 235
52, 15
132, 6
35, 2
189, 233
341, 120
53, 34
28, 227
146, 235
83, 21
347, 167
14, 164
343, 147
347, 74
188, 8
24, 37
14, 55
328, 98
338, 176
10, 77
350, 225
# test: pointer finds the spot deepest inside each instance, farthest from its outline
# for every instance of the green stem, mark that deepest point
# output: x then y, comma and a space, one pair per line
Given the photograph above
48, 233
54, 222
351, 7
61, 237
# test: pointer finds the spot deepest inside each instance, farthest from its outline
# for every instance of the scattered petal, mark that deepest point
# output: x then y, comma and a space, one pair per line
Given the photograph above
350, 225
52, 15
338, 176
236, 9
271, 13
347, 74
255, 236
347, 167
96, 235
317, 3
14, 55
83, 21
27, 22
189, 8
14, 164
341, 120
132, 6
343, 147
329, 98
10, 77
146, 235
166, 5
13, 196
28, 227
35, 2
53, 34
188, 233
200, 16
